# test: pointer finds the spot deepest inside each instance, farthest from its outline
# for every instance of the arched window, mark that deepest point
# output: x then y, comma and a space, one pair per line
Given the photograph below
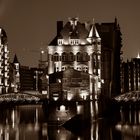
64, 56
79, 57
56, 57
94, 59
71, 56
85, 69
63, 68
85, 56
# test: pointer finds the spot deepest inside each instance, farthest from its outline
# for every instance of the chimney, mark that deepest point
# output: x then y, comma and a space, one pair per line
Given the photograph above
59, 27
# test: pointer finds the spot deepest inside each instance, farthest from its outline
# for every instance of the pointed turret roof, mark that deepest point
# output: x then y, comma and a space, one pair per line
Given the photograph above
93, 31
15, 59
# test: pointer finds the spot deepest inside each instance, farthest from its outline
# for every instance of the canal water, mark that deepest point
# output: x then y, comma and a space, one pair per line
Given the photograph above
28, 122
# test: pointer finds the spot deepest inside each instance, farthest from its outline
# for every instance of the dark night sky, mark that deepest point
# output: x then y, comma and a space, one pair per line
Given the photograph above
31, 24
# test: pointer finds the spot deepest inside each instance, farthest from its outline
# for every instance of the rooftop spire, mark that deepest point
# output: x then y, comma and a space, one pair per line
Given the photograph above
15, 59
93, 31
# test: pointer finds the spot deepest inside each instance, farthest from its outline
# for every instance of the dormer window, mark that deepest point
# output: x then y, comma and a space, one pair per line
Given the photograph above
71, 41
60, 41
77, 41
74, 41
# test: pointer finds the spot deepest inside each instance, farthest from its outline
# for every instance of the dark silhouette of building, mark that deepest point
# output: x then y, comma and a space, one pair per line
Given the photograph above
110, 56
130, 75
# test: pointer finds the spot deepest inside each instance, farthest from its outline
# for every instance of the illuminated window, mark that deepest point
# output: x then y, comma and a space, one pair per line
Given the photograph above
60, 41
77, 41
57, 69
99, 57
79, 68
5, 49
72, 41
17, 66
63, 68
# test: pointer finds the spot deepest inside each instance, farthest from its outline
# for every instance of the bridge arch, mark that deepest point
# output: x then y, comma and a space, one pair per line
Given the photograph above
9, 97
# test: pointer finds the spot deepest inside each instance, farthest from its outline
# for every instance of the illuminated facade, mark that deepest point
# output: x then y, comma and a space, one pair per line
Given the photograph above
4, 62
76, 46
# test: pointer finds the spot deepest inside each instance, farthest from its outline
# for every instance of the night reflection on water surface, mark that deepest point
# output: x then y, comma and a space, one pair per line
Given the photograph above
28, 122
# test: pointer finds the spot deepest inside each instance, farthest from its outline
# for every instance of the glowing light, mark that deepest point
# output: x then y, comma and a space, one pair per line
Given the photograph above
78, 138
59, 80
55, 98
84, 94
138, 56
99, 84
69, 96
44, 92
102, 81
79, 109
62, 108
42, 52
58, 131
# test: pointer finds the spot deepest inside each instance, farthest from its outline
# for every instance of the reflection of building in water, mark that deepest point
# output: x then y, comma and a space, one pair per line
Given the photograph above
129, 125
23, 122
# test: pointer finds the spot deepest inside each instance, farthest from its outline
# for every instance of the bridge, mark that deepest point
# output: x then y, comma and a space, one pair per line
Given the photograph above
133, 96
20, 98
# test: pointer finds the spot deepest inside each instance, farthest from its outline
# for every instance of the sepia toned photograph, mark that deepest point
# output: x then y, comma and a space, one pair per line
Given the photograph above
69, 70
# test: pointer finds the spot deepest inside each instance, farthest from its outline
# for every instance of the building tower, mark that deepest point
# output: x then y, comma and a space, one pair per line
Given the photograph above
16, 75
4, 62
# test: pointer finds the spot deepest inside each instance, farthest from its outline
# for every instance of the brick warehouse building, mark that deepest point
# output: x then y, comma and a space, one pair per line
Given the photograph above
130, 75
4, 62
88, 47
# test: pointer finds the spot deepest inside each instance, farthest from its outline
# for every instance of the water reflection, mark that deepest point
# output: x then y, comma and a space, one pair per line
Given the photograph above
129, 125
29, 122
